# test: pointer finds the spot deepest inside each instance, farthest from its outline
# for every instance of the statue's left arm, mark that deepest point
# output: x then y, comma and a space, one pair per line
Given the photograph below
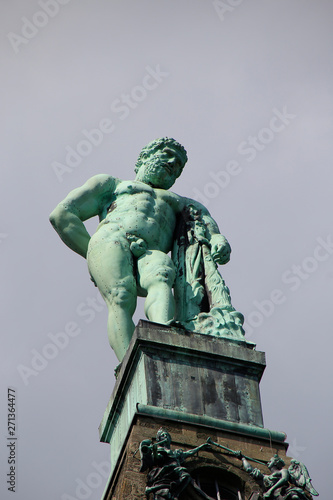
219, 245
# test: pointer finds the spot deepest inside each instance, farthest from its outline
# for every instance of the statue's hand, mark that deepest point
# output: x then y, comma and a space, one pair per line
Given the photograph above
220, 249
256, 473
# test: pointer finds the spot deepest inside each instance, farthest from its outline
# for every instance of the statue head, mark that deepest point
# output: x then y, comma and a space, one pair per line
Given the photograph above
161, 162
163, 436
276, 462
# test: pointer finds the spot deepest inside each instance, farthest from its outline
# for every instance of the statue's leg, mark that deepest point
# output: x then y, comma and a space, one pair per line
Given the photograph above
156, 273
110, 264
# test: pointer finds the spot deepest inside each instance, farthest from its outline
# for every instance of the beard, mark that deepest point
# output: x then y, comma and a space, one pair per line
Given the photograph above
153, 173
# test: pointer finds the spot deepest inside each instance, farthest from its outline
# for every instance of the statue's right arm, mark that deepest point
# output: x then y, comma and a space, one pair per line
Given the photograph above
82, 204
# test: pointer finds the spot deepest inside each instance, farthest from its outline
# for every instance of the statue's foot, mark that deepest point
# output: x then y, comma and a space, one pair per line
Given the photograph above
175, 323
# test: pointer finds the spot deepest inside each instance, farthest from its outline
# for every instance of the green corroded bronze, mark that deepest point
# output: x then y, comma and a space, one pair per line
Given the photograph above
166, 477
172, 374
236, 453
202, 298
140, 223
292, 483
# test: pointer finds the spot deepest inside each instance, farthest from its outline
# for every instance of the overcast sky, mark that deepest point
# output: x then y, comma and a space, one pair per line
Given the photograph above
247, 89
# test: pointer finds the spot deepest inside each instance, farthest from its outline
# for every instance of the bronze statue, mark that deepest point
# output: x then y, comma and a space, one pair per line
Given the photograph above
166, 477
282, 483
128, 254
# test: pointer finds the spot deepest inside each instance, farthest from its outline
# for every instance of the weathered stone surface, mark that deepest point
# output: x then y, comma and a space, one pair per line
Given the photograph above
173, 374
128, 483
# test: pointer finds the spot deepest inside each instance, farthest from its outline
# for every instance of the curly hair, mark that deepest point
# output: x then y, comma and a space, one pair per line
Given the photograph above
278, 461
156, 145
161, 431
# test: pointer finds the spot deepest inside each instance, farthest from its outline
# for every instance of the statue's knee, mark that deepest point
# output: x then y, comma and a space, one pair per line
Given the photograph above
161, 274
167, 275
121, 296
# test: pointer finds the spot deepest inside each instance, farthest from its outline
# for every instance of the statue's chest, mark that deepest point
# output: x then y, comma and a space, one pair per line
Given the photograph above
131, 196
134, 188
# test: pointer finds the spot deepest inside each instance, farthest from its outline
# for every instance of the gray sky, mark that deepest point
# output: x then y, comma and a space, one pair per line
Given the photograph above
248, 92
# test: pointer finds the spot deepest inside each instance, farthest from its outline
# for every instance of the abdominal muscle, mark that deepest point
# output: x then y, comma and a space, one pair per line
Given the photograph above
138, 215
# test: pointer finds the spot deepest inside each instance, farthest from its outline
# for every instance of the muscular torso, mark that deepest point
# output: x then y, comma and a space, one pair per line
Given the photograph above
136, 209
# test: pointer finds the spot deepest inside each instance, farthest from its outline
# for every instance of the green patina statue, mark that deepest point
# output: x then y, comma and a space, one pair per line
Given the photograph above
167, 477
293, 483
141, 222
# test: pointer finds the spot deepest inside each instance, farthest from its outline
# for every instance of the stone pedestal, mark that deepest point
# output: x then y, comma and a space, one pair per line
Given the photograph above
196, 386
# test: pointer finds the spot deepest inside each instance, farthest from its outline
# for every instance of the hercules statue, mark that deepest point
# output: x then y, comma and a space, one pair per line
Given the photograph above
128, 254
